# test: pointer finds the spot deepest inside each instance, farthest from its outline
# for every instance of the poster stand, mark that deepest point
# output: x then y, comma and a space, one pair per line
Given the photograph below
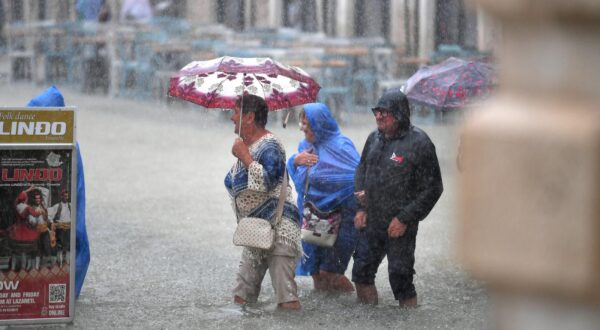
38, 187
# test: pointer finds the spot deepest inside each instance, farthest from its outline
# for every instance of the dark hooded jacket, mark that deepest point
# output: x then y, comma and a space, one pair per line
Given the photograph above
400, 175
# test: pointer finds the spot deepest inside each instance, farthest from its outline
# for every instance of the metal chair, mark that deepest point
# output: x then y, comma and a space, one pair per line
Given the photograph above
20, 53
364, 84
59, 51
336, 85
135, 66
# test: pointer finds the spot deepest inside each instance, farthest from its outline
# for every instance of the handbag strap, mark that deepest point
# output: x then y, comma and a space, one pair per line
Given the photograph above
306, 182
282, 196
280, 203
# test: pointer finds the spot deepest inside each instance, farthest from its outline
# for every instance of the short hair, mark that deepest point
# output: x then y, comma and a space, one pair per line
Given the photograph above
256, 104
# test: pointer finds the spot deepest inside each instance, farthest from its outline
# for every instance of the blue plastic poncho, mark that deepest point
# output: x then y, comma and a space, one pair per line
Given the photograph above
331, 180
53, 98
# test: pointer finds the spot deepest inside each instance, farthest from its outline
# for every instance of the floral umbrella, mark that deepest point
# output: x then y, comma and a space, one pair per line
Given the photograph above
451, 84
217, 83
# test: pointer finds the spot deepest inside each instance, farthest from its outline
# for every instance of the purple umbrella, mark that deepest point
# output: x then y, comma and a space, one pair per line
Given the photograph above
451, 84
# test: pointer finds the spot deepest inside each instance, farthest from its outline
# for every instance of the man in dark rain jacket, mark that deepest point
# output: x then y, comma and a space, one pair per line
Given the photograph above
397, 182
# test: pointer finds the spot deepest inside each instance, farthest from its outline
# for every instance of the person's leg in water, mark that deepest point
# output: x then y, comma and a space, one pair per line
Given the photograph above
368, 255
282, 269
335, 260
401, 260
249, 278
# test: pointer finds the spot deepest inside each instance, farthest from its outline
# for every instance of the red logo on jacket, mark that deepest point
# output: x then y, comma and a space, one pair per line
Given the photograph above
397, 159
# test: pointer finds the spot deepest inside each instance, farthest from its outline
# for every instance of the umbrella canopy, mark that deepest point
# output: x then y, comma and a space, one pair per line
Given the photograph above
219, 82
451, 84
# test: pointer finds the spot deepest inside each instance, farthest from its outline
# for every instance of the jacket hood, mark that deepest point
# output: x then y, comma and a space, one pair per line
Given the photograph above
51, 97
396, 102
321, 122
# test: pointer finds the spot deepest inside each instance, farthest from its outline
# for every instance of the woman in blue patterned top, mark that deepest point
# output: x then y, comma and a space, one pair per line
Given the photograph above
254, 184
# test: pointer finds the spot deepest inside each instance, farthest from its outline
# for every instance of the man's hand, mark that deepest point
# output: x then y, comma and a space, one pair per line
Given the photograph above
240, 150
360, 220
360, 195
396, 228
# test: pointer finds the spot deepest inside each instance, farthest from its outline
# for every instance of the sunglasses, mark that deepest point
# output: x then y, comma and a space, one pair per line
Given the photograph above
382, 112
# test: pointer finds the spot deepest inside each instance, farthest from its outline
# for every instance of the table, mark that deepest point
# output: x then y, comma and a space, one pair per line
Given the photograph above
171, 56
95, 62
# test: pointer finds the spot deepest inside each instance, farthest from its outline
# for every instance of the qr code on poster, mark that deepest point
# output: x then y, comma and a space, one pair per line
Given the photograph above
58, 293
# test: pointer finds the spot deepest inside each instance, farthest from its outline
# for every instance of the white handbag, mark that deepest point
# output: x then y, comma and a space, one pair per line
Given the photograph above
318, 227
257, 232
254, 232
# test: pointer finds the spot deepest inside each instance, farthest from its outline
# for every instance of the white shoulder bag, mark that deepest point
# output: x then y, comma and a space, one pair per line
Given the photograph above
257, 232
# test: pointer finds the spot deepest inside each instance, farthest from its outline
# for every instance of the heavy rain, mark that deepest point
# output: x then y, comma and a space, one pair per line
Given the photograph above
159, 219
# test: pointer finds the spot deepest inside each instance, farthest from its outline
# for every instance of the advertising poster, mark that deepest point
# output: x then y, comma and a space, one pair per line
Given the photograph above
37, 215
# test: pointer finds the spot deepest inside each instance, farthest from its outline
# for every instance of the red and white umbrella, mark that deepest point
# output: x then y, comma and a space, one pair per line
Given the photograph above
219, 82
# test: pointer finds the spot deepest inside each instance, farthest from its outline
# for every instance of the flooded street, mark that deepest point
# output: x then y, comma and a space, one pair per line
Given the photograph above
160, 227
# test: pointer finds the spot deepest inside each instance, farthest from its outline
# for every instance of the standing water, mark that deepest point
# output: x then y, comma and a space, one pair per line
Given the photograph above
160, 226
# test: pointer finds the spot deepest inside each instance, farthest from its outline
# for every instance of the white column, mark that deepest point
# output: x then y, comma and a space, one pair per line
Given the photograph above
319, 13
28, 12
426, 27
487, 31
201, 12
247, 14
397, 25
345, 18
530, 187
262, 14
275, 13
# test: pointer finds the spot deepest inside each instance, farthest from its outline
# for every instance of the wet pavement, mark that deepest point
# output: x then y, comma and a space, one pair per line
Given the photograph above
160, 227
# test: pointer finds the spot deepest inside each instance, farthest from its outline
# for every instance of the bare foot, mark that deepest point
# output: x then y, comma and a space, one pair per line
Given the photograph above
292, 305
409, 303
238, 300
319, 283
341, 283
366, 294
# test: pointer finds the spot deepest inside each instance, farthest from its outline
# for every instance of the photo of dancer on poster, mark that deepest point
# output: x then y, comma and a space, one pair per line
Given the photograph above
36, 235
23, 237
39, 219
60, 213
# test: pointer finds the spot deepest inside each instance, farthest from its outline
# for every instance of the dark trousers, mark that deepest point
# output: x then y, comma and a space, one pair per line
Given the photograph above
63, 238
44, 245
400, 253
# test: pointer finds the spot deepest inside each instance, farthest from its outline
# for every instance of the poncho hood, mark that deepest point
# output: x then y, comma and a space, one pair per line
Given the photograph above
331, 180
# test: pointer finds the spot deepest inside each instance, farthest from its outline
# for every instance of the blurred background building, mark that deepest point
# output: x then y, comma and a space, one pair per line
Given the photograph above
415, 27
358, 48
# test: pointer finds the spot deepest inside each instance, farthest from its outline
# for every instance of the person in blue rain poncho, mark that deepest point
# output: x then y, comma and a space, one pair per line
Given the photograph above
330, 160
52, 97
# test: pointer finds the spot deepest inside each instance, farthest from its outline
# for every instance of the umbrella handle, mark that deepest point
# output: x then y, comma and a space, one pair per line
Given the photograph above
241, 108
240, 121
287, 116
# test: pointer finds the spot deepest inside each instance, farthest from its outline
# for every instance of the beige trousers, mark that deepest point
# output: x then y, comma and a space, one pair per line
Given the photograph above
281, 263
